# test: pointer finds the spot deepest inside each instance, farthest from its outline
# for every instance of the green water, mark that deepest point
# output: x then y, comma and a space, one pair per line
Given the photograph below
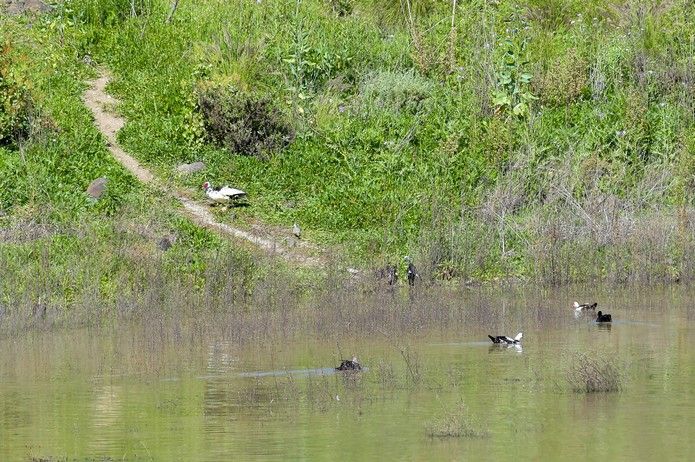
135, 393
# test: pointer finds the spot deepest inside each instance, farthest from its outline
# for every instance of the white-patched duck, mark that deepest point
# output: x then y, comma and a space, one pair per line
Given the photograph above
349, 365
224, 194
503, 339
580, 307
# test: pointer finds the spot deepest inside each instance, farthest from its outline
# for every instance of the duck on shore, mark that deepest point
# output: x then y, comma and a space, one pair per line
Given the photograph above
223, 195
503, 339
349, 365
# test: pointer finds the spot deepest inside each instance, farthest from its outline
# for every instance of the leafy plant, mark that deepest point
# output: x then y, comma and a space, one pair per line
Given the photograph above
513, 90
16, 105
394, 92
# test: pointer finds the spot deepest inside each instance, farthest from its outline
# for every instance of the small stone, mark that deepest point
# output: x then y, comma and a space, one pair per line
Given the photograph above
97, 187
190, 168
166, 242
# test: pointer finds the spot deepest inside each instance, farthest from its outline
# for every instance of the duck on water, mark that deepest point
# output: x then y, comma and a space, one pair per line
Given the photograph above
584, 306
504, 340
349, 365
603, 317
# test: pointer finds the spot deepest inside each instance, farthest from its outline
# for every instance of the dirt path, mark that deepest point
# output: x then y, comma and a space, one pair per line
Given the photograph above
101, 104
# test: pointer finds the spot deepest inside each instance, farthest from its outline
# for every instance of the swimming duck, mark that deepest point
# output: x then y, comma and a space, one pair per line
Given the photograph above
349, 365
584, 306
603, 317
507, 340
224, 194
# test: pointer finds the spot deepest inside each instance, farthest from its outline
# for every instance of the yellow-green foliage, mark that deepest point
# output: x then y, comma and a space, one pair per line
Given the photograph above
473, 138
15, 100
565, 80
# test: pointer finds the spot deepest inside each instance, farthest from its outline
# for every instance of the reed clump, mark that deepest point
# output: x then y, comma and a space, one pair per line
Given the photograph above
594, 374
455, 424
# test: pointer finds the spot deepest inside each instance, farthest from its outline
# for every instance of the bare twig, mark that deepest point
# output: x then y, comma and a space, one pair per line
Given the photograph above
174, 5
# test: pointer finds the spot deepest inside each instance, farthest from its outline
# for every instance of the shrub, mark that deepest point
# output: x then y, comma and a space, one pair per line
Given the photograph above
341, 7
394, 91
565, 80
107, 12
16, 107
243, 122
593, 374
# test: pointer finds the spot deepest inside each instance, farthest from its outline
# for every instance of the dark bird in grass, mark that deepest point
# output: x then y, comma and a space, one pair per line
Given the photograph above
388, 273
412, 271
603, 317
349, 365
391, 274
503, 339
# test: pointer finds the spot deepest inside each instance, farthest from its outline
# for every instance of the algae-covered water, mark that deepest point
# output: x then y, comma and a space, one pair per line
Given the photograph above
438, 391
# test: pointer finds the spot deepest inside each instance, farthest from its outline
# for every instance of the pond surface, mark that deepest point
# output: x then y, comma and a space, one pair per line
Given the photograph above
145, 392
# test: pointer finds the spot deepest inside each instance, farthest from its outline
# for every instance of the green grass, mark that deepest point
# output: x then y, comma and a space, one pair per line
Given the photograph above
546, 140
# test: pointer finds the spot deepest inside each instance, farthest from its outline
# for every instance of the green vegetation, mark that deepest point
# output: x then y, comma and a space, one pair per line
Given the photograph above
547, 140
67, 259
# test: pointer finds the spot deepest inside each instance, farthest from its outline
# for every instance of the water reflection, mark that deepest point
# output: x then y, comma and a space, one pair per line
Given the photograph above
294, 372
501, 348
221, 357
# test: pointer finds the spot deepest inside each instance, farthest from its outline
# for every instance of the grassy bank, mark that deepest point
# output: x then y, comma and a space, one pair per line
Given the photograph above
66, 259
550, 141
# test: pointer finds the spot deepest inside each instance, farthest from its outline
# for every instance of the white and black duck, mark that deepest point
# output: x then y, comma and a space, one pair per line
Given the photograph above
223, 195
581, 307
504, 340
349, 365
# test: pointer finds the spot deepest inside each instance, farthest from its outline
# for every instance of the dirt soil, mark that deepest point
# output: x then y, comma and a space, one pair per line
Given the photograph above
266, 238
25, 6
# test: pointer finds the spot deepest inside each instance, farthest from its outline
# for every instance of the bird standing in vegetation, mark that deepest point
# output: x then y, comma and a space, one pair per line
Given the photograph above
349, 365
503, 339
412, 271
603, 317
297, 231
224, 194
391, 274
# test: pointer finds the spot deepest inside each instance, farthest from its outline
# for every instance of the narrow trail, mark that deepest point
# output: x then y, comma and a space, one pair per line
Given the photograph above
101, 104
